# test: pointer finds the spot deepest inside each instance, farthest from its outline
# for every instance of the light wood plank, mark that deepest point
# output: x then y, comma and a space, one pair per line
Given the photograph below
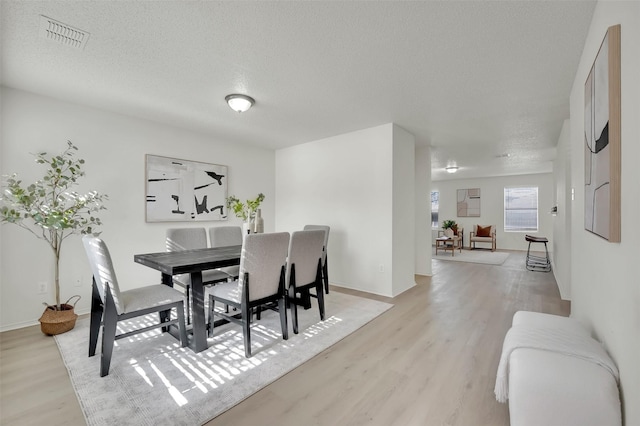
430, 360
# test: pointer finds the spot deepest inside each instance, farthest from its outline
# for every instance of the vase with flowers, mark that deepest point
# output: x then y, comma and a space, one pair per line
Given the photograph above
245, 210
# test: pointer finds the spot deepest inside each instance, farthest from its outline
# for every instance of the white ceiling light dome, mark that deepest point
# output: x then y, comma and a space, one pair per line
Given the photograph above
239, 103
451, 169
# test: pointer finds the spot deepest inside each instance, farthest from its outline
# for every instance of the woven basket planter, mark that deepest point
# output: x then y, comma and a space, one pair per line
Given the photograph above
54, 322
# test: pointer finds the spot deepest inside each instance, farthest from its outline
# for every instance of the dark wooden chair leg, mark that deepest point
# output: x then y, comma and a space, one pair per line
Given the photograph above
319, 292
325, 275
320, 299
96, 319
246, 329
306, 298
188, 298
294, 308
164, 317
108, 333
181, 324
282, 310
211, 320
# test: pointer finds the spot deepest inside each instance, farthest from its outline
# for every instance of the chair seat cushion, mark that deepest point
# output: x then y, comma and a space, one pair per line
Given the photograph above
208, 277
150, 296
230, 271
227, 291
482, 239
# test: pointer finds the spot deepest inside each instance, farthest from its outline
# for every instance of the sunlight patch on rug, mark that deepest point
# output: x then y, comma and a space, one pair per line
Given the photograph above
153, 380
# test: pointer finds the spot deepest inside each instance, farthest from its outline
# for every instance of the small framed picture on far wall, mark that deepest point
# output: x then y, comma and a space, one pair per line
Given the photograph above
468, 202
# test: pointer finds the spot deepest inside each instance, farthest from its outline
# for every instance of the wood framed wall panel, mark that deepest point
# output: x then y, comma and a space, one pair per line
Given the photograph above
602, 134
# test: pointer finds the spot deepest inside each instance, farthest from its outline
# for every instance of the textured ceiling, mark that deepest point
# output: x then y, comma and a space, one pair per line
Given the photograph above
474, 79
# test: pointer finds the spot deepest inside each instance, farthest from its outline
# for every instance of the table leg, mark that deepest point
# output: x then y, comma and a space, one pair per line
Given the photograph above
197, 309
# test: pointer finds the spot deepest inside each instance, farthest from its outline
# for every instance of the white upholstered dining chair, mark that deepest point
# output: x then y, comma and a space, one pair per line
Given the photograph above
261, 284
223, 236
109, 305
178, 239
304, 272
325, 259
189, 239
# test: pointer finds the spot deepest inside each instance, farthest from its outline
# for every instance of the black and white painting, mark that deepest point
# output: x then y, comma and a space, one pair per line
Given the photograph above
185, 191
602, 141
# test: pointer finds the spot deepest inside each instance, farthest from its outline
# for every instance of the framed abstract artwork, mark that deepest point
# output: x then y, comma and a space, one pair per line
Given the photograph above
602, 144
184, 191
468, 202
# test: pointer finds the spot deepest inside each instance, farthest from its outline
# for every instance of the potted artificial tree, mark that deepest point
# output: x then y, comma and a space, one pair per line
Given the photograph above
52, 212
246, 211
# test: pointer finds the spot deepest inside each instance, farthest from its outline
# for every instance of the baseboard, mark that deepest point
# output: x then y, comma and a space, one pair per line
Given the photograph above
31, 323
561, 287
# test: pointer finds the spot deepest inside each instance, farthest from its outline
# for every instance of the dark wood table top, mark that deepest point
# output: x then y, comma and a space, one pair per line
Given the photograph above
187, 261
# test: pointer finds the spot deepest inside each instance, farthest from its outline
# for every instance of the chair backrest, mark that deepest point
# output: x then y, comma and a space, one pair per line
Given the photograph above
186, 239
326, 230
222, 236
263, 256
305, 249
102, 269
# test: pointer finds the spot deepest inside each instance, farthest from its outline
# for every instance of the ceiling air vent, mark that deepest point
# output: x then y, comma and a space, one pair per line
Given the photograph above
62, 33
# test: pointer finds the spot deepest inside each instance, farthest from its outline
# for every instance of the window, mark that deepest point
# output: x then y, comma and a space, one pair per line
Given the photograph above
521, 209
435, 204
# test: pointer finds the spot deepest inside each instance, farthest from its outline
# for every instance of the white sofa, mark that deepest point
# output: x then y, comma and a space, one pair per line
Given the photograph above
547, 387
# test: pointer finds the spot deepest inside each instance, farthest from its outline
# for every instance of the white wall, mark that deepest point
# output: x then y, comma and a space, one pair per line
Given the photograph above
114, 147
561, 251
605, 289
345, 182
492, 207
404, 212
423, 210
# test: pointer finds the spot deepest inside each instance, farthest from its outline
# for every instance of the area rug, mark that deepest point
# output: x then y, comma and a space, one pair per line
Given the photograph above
473, 256
154, 381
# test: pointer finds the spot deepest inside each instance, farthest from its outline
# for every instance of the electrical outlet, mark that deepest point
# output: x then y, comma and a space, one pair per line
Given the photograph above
43, 287
381, 268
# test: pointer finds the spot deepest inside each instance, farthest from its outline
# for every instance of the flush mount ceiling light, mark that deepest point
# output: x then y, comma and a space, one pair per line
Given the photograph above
451, 169
239, 103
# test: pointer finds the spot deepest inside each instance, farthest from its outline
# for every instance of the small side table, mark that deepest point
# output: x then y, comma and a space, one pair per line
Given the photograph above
449, 243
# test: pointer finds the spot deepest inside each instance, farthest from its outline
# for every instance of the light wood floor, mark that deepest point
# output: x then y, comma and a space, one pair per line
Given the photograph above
430, 360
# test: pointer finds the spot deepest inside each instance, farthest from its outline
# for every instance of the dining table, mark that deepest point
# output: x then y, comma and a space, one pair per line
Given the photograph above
192, 262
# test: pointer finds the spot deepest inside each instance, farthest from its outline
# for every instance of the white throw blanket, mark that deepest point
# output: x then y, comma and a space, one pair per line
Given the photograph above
548, 339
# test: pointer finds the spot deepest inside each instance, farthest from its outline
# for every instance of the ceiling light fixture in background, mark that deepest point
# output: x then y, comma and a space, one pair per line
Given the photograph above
451, 169
239, 103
